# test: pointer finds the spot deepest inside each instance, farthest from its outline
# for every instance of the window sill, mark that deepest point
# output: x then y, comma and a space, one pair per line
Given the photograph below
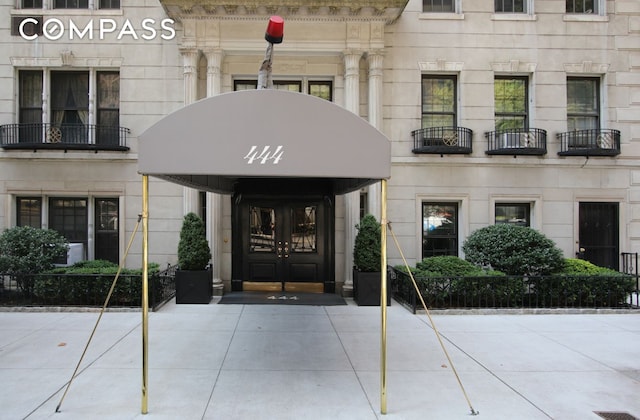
585, 18
441, 16
514, 16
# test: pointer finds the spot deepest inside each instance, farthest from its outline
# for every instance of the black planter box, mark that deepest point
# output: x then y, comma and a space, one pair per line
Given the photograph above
367, 288
193, 286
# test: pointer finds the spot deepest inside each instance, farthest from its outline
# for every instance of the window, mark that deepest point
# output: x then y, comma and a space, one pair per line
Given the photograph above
68, 216
70, 106
107, 227
438, 101
510, 95
29, 211
202, 205
511, 6
30, 113
438, 6
286, 85
321, 89
583, 101
364, 203
583, 6
31, 4
439, 229
70, 117
109, 4
108, 109
513, 213
70, 4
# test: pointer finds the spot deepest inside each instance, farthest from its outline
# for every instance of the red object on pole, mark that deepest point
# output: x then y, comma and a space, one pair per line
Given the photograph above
275, 30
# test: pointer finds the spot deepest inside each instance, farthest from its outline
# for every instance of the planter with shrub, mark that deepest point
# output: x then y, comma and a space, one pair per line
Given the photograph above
367, 277
193, 280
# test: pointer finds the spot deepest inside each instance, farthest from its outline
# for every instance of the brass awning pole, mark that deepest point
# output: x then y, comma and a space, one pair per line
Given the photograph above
383, 297
145, 291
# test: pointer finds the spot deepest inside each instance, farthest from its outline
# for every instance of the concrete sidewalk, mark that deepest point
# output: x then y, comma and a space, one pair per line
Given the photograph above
311, 362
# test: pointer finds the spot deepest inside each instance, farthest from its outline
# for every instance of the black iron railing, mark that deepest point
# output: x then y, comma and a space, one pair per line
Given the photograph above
517, 141
442, 140
594, 142
516, 292
64, 137
85, 290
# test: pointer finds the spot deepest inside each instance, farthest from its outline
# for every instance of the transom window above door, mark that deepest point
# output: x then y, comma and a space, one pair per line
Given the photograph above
318, 88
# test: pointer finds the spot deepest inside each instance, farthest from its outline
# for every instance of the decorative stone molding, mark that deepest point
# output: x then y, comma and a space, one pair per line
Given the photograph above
586, 67
86, 62
440, 65
389, 10
514, 66
67, 57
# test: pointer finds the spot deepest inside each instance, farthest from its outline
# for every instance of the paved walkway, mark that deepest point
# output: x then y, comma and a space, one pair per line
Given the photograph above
310, 362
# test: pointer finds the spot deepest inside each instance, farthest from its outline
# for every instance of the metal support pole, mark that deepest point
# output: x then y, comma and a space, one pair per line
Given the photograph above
145, 291
383, 297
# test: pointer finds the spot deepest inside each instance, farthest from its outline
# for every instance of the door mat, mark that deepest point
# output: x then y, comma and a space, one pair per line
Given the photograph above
282, 298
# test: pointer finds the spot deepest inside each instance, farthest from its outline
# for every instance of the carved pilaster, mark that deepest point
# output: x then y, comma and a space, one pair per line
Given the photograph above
214, 72
375, 60
190, 73
351, 200
352, 81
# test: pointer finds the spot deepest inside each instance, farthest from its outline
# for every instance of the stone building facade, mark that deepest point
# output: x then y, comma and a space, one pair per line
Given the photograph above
523, 112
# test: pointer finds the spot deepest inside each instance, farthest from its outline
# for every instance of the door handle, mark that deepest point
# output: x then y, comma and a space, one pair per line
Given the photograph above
279, 249
286, 249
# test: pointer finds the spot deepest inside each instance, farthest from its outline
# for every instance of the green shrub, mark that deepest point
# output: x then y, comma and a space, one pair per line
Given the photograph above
88, 283
27, 250
366, 251
576, 266
514, 250
446, 279
444, 266
193, 249
582, 283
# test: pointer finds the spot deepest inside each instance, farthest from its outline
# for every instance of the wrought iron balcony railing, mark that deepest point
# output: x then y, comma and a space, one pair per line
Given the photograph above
517, 141
40, 136
442, 140
593, 142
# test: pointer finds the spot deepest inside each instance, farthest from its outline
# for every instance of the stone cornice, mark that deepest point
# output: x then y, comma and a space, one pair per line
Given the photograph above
387, 10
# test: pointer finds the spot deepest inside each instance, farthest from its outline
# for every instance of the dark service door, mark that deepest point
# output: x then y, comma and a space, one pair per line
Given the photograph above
284, 245
599, 233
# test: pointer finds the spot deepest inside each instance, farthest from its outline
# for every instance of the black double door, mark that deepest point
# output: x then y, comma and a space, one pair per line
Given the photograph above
283, 244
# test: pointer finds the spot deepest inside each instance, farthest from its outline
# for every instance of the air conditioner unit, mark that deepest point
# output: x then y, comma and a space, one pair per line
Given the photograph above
74, 254
508, 140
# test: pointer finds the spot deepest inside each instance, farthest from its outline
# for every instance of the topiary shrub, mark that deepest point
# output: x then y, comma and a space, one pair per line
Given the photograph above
366, 251
193, 249
514, 250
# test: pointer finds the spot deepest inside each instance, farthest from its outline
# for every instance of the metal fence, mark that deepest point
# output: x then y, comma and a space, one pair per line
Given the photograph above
515, 292
85, 290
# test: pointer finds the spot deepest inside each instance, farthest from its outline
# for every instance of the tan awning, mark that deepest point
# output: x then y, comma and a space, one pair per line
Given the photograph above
269, 133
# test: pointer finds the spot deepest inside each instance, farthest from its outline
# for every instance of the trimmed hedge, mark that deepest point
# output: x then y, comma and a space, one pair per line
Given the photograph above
449, 282
88, 283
